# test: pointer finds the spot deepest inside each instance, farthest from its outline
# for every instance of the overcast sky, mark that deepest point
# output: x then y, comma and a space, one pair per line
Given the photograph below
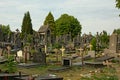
93, 15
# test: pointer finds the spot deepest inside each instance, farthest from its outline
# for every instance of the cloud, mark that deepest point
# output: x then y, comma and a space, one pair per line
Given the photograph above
90, 13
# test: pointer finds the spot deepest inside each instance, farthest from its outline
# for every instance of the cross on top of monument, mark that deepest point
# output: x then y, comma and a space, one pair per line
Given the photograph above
90, 47
62, 49
81, 49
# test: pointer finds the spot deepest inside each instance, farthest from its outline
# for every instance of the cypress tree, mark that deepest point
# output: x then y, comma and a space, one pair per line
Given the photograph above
26, 24
49, 20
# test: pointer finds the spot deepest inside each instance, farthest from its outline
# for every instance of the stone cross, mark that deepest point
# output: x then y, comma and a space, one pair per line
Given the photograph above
62, 49
81, 54
107, 63
25, 54
90, 47
80, 50
45, 48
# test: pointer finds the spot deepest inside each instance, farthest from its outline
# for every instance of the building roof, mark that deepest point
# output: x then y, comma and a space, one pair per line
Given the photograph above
43, 28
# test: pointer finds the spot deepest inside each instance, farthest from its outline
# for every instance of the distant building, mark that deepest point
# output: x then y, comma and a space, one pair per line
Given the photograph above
44, 34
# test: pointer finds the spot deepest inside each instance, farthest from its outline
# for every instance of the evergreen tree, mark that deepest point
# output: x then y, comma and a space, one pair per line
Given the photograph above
26, 24
118, 4
49, 20
117, 31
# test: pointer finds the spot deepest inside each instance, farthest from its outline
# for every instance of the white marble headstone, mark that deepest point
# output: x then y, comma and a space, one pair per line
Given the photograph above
19, 53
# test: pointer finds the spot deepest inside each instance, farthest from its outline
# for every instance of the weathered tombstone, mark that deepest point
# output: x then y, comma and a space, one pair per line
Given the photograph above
1, 51
56, 52
39, 56
62, 49
91, 53
19, 56
46, 49
25, 55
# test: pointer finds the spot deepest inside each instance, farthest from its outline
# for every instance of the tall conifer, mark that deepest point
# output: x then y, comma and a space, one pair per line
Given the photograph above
26, 24
49, 20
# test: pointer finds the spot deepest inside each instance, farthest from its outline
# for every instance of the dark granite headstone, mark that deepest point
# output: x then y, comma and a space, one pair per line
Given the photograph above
39, 58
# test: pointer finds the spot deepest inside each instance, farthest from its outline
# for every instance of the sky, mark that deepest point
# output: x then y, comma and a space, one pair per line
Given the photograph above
93, 15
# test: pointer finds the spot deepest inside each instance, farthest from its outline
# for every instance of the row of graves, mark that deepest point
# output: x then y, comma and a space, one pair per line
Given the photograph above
27, 60
79, 56
40, 58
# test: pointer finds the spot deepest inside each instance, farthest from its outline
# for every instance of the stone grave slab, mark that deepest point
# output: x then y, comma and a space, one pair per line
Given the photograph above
94, 64
49, 77
10, 76
58, 69
77, 64
104, 58
28, 65
45, 77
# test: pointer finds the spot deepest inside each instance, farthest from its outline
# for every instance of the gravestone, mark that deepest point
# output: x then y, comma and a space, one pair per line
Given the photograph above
91, 53
113, 43
56, 52
90, 47
39, 56
26, 53
1, 51
81, 52
19, 56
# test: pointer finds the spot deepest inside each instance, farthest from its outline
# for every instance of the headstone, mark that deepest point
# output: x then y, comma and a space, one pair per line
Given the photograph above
80, 50
39, 56
25, 55
56, 52
19, 53
19, 56
113, 43
1, 51
91, 53
81, 55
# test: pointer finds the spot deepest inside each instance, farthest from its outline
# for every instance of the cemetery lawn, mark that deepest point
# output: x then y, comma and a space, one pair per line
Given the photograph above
75, 72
